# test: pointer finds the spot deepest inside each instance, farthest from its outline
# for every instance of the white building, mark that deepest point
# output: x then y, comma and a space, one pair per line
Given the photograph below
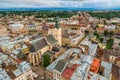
16, 27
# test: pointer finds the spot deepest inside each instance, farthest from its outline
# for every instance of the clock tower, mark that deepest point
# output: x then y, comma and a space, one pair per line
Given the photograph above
57, 33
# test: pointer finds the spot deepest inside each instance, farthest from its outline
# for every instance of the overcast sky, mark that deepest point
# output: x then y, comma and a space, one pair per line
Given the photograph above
97, 4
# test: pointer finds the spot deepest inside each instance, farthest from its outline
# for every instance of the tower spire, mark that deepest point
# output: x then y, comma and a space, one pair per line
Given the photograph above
56, 19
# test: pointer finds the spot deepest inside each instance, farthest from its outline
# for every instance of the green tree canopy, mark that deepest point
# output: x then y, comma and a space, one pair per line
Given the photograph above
107, 15
111, 33
101, 40
105, 32
46, 60
109, 43
96, 26
86, 32
96, 34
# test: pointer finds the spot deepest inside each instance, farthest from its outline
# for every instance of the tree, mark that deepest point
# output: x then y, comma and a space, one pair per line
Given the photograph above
114, 23
96, 26
105, 22
111, 33
46, 60
96, 34
109, 43
86, 32
105, 33
101, 40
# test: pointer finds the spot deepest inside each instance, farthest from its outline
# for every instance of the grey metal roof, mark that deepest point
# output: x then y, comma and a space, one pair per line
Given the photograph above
17, 72
23, 66
37, 45
51, 39
107, 70
61, 65
32, 25
4, 75
52, 65
20, 55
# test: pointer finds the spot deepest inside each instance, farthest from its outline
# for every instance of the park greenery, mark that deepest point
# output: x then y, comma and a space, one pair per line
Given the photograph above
105, 33
109, 42
111, 33
97, 35
105, 14
61, 14
46, 60
41, 14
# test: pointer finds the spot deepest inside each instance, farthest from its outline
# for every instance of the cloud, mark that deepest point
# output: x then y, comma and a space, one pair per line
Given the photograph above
103, 4
29, 3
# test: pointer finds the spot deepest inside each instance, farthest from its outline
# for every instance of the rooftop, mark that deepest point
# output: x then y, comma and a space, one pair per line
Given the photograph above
107, 69
67, 73
107, 53
77, 75
38, 44
60, 66
4, 75
24, 66
94, 76
92, 47
31, 25
116, 71
3, 56
16, 25
13, 71
75, 39
88, 59
95, 65
51, 39
53, 64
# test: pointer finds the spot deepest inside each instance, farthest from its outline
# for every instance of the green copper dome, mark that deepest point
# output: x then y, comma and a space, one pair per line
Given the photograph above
57, 22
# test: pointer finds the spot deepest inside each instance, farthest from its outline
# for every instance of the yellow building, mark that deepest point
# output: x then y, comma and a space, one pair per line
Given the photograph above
38, 47
100, 25
56, 31
72, 41
46, 43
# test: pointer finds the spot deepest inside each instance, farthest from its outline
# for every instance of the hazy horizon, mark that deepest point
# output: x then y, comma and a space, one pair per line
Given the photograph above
60, 4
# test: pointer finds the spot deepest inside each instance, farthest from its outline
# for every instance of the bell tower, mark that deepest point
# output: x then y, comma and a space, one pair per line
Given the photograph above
57, 33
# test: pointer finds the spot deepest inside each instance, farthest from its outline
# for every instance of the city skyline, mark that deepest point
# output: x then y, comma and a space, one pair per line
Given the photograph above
63, 4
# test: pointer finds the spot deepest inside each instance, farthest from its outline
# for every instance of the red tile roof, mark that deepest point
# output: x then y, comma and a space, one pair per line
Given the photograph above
100, 28
18, 61
67, 73
95, 65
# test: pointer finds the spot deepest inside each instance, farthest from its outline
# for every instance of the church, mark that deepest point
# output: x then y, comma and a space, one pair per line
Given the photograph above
50, 43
